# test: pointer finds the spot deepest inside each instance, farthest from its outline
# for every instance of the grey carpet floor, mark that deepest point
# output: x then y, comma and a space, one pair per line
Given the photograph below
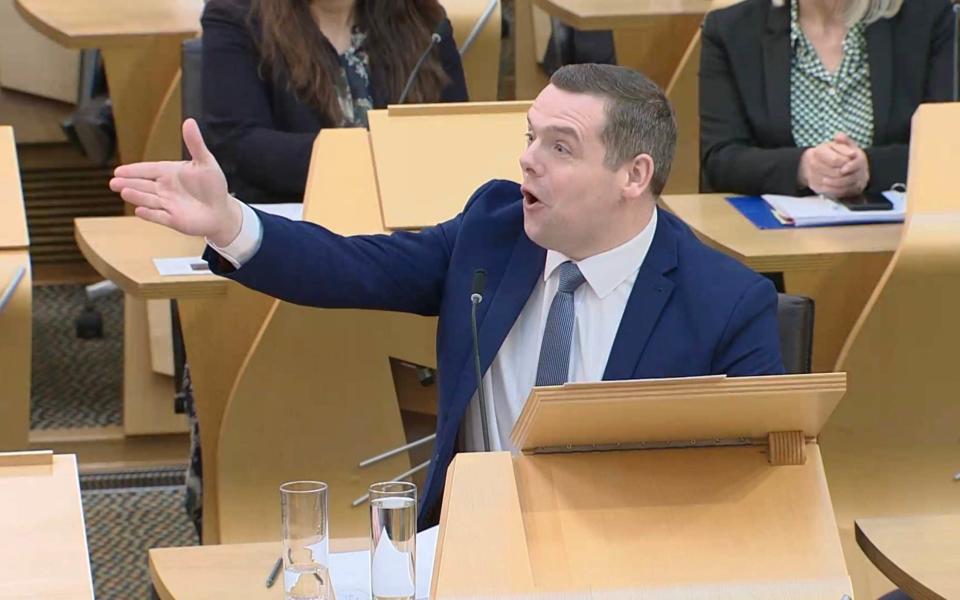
76, 383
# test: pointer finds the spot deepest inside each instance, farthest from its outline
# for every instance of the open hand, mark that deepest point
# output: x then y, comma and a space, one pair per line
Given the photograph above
188, 196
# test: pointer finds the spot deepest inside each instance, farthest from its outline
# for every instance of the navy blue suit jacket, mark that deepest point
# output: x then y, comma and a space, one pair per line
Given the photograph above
692, 311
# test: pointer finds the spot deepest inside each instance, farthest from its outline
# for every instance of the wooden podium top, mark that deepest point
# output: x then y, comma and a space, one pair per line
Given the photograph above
99, 23
43, 549
622, 14
920, 554
122, 249
13, 221
431, 158
720, 225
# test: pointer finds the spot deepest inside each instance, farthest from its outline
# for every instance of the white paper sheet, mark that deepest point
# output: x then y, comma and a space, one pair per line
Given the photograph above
181, 265
292, 211
350, 571
810, 211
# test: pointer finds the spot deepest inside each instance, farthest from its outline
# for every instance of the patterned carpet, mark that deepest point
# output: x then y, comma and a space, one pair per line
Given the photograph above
76, 383
122, 524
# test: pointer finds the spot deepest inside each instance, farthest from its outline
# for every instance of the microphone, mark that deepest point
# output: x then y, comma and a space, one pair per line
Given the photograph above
435, 38
476, 297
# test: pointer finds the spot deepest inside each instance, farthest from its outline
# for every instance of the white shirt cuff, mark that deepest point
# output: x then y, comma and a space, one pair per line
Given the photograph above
247, 242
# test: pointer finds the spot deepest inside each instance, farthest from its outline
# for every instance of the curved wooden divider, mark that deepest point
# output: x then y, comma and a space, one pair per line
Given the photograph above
481, 63
16, 317
683, 93
892, 447
315, 394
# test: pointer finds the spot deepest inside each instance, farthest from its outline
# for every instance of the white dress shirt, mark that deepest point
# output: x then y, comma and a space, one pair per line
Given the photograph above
598, 307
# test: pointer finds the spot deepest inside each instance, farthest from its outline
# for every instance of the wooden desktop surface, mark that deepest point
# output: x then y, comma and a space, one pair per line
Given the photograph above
622, 14
43, 547
13, 222
719, 224
98, 23
235, 571
920, 554
122, 249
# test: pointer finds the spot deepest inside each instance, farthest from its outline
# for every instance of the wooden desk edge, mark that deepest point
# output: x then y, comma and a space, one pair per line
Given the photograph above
898, 576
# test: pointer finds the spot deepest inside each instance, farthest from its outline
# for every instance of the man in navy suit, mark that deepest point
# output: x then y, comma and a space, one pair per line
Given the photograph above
586, 278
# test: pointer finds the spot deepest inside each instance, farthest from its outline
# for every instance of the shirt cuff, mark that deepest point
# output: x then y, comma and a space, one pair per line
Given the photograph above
247, 242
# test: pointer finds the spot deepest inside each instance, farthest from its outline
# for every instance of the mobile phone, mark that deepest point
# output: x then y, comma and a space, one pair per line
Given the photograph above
867, 201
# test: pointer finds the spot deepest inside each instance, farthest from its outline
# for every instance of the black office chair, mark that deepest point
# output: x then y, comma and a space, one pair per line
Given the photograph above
795, 314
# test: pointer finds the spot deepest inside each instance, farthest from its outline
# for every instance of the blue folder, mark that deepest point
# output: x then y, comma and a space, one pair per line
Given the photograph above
756, 211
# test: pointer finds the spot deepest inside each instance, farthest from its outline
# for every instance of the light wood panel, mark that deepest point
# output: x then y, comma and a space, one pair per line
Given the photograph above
13, 221
159, 327
891, 448
590, 15
335, 404
148, 406
481, 63
491, 134
836, 266
29, 62
98, 23
684, 94
920, 554
16, 331
527, 53
635, 412
615, 524
43, 551
235, 571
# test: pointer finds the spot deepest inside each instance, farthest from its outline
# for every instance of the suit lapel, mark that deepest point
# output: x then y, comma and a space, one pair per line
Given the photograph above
776, 71
880, 51
650, 294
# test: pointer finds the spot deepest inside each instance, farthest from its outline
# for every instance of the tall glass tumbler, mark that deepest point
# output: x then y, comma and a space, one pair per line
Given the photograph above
306, 543
393, 540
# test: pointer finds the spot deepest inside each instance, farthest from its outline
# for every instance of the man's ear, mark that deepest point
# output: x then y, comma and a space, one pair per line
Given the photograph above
639, 176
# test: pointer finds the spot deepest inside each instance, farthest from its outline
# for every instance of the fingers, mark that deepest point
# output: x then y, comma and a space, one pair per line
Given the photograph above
848, 152
194, 143
161, 217
138, 198
146, 170
118, 184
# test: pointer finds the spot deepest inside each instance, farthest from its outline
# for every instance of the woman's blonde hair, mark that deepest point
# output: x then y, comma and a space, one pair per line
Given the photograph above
864, 11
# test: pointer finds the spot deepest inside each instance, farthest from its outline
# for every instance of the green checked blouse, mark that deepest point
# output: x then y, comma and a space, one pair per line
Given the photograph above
824, 104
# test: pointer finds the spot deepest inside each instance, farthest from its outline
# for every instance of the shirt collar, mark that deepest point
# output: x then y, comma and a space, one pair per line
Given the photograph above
607, 270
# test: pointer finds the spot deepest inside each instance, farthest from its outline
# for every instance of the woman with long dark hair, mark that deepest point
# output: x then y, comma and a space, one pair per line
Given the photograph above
276, 72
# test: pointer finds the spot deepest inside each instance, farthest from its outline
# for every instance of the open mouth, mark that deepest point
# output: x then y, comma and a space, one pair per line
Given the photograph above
529, 199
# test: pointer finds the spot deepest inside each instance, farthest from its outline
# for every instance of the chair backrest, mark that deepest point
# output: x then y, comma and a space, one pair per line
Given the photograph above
683, 93
795, 314
481, 61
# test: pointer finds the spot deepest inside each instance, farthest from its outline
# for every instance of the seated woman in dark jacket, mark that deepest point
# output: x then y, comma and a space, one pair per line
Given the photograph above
806, 96
276, 72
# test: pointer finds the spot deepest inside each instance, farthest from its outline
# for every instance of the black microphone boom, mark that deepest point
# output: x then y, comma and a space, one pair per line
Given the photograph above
476, 297
434, 40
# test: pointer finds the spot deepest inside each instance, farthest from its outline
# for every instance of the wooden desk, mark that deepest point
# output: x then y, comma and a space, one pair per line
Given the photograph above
648, 35
140, 43
920, 554
235, 571
836, 266
43, 550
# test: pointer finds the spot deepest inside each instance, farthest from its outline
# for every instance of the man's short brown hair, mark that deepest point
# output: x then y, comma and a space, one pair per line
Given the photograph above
640, 119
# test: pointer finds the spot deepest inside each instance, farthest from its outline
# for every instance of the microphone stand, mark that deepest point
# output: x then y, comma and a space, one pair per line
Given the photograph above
479, 278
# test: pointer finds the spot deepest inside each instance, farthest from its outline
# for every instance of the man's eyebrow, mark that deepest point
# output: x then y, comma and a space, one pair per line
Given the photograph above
558, 129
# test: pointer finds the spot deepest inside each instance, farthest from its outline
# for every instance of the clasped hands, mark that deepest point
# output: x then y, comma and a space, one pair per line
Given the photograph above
838, 168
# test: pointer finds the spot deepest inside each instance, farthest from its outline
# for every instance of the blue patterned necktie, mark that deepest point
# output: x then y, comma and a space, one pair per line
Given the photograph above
554, 365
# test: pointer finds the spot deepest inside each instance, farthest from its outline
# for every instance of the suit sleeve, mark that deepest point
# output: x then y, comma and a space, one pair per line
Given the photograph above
730, 157
888, 163
307, 264
751, 340
456, 88
236, 107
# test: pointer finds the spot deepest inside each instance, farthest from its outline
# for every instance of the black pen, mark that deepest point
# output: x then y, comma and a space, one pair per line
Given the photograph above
272, 577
